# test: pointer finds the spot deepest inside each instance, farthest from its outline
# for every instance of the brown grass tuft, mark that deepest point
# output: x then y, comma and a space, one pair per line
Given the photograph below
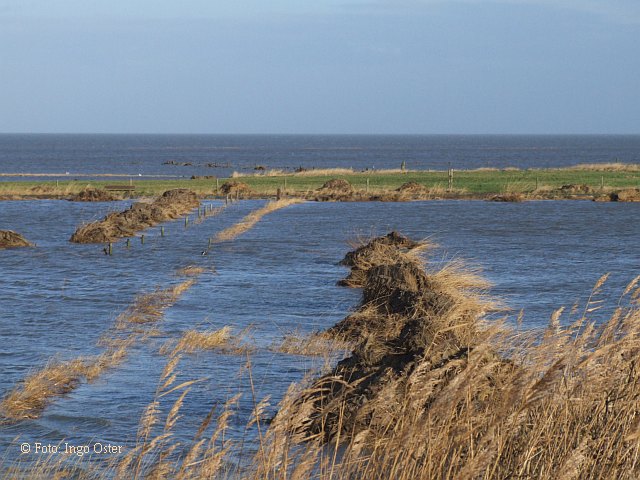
150, 307
315, 344
11, 239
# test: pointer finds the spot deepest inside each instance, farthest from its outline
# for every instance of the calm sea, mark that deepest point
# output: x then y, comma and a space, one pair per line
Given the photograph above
186, 155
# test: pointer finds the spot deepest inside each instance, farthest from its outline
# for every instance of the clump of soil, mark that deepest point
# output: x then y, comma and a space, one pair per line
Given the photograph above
172, 204
337, 185
336, 189
411, 327
507, 197
411, 187
379, 250
93, 195
576, 189
234, 187
11, 239
626, 195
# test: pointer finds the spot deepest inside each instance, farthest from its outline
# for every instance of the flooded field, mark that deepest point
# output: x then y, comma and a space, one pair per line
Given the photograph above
57, 299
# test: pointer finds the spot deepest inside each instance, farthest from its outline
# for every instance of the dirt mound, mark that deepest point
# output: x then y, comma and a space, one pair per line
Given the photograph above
626, 195
11, 239
507, 197
410, 325
411, 187
172, 204
93, 195
236, 188
576, 189
335, 190
378, 251
337, 185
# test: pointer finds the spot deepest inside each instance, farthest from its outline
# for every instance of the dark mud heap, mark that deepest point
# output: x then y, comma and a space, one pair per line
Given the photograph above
625, 195
335, 190
93, 195
411, 327
172, 204
235, 188
11, 239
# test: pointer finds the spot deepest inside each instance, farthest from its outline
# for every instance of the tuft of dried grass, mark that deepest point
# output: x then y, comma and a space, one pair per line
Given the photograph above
315, 344
252, 218
150, 307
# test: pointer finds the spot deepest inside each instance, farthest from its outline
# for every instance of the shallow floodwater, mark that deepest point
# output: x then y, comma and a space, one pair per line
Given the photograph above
58, 298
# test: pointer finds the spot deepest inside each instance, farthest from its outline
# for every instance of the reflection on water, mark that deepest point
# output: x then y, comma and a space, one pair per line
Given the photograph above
58, 298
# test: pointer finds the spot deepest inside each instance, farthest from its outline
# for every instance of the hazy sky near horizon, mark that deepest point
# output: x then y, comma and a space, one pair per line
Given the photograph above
330, 66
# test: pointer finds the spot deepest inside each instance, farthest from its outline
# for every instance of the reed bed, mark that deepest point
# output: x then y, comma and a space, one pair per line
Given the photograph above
252, 218
432, 389
608, 167
469, 400
313, 172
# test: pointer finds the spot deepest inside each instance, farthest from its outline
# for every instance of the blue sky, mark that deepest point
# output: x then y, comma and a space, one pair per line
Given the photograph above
353, 66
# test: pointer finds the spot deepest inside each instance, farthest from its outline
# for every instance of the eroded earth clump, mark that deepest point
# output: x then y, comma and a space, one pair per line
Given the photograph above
413, 330
93, 195
11, 239
170, 205
235, 188
625, 195
335, 190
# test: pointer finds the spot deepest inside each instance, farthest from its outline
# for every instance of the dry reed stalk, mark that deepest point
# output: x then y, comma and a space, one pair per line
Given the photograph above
150, 307
315, 344
608, 167
193, 340
252, 218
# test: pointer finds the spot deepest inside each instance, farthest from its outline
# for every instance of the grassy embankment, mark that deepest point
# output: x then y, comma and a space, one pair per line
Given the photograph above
480, 182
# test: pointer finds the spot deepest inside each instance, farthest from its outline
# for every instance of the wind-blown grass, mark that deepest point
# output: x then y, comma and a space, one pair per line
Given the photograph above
457, 397
249, 221
29, 398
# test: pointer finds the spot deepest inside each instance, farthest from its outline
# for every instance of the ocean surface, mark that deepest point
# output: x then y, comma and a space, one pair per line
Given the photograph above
182, 156
58, 298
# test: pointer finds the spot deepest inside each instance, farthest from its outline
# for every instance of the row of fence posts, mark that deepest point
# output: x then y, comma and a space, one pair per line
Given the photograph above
203, 212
